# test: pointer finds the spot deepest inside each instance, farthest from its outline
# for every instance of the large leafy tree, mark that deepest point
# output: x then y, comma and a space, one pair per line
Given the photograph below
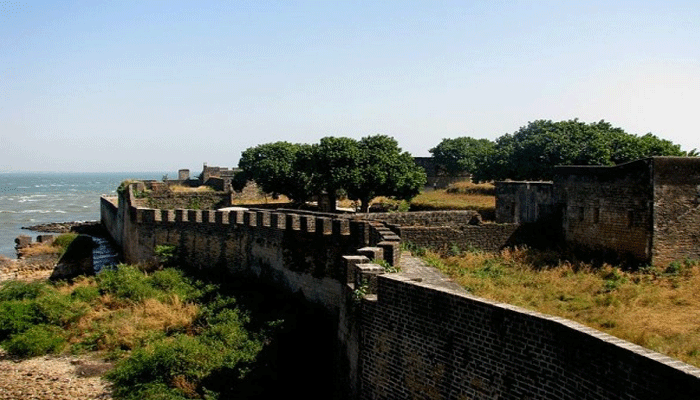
280, 168
384, 170
462, 154
373, 166
532, 152
336, 163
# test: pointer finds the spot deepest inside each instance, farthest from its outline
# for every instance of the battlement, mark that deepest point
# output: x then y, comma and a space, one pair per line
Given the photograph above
398, 335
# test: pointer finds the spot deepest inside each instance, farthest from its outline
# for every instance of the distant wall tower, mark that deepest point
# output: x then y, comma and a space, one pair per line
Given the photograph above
183, 174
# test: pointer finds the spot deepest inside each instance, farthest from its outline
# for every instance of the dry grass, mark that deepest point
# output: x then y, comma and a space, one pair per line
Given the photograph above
37, 249
189, 189
484, 189
112, 325
458, 196
657, 309
261, 199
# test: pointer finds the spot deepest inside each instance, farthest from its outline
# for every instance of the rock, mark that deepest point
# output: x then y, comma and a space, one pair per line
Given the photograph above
46, 239
23, 241
76, 261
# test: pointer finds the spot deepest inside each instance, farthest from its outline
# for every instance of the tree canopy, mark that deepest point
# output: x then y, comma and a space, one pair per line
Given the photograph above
532, 152
279, 168
462, 154
373, 166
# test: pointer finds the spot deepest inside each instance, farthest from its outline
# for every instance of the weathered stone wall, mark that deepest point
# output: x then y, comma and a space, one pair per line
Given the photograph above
425, 218
186, 200
486, 237
676, 209
436, 175
608, 209
524, 202
404, 338
423, 341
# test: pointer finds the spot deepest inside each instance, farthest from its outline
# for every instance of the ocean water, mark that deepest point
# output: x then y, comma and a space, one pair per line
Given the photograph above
36, 198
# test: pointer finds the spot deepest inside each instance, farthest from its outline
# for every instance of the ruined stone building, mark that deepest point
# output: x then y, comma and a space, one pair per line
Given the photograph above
647, 210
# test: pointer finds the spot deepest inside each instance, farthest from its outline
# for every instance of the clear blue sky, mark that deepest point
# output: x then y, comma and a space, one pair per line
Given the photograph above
161, 85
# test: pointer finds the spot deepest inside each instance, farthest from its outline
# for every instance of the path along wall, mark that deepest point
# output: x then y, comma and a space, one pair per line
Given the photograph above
406, 338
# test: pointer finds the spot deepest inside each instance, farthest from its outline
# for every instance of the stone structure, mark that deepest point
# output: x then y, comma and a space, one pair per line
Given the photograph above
524, 202
408, 334
77, 260
647, 210
437, 177
218, 178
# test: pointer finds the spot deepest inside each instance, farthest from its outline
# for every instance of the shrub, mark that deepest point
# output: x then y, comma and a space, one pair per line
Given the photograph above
18, 290
58, 309
36, 341
172, 282
177, 366
165, 254
125, 282
87, 294
17, 316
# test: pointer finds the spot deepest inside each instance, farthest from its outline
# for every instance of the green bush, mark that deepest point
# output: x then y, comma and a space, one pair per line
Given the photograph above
18, 290
87, 294
176, 367
172, 281
17, 316
165, 254
125, 282
53, 308
35, 341
58, 309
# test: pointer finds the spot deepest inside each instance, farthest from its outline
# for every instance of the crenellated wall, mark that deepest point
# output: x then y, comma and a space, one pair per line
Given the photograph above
408, 334
302, 253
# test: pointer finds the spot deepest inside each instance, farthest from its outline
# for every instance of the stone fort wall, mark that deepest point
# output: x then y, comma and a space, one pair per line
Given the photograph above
405, 338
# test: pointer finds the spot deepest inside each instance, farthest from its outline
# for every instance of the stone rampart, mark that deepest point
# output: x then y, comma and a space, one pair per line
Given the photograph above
397, 335
421, 340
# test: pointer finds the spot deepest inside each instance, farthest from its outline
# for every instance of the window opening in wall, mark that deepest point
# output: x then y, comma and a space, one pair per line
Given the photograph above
580, 213
596, 215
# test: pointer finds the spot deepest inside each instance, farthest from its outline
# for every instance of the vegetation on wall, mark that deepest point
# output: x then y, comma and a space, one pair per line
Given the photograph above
653, 307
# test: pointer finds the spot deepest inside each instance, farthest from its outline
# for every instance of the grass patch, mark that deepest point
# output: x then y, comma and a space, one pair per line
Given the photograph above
190, 189
458, 196
655, 308
170, 336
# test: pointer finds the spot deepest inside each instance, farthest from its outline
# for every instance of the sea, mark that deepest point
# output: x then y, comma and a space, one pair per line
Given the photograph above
33, 198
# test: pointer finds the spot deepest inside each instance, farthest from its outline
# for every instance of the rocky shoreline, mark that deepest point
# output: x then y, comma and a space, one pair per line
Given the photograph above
66, 227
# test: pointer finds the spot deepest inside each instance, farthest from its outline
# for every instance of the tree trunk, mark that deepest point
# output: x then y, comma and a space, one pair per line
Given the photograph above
364, 205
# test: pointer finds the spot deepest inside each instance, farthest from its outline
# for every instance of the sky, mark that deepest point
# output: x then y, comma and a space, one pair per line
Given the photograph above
102, 86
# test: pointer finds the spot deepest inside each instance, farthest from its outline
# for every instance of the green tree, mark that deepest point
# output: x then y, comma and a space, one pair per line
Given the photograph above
462, 154
336, 163
384, 170
532, 152
373, 166
279, 168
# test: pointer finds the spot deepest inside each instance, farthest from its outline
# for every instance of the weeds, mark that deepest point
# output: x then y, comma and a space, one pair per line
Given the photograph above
653, 307
172, 337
